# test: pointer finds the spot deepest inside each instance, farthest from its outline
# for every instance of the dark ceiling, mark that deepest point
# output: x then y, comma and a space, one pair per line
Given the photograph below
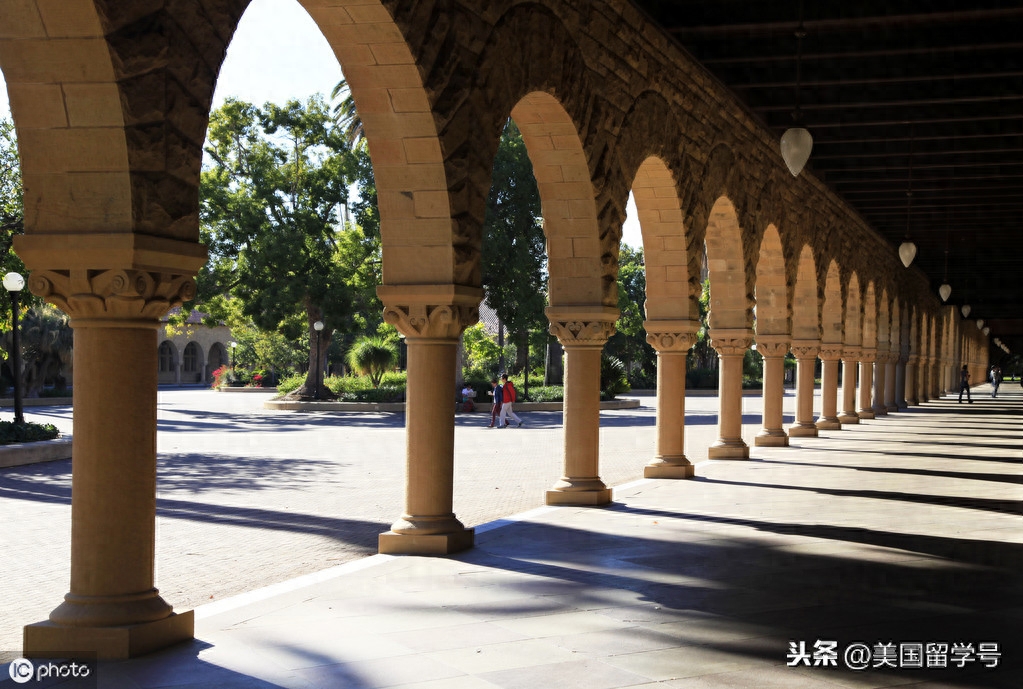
899, 95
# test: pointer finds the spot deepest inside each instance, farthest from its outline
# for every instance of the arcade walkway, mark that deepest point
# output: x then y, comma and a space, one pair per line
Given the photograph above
905, 529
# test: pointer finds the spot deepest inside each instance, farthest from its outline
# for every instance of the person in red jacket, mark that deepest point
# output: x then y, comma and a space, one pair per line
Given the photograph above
507, 400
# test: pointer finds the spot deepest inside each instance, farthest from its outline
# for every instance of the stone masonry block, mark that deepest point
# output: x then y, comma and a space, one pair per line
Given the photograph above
69, 18
93, 105
37, 106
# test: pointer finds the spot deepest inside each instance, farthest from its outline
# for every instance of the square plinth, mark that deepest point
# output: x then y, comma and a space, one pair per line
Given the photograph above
726, 451
49, 640
771, 440
579, 498
393, 543
675, 471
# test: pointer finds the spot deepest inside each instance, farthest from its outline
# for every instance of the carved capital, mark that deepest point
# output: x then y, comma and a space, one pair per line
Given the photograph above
731, 342
430, 312
114, 295
582, 333
772, 346
582, 326
671, 336
868, 356
805, 349
830, 352
851, 353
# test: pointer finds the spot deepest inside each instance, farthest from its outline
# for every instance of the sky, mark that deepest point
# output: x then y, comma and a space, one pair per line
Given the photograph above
278, 53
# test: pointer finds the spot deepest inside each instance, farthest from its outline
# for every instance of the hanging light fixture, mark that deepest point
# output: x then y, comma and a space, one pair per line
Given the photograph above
946, 289
907, 250
796, 142
965, 310
986, 330
980, 323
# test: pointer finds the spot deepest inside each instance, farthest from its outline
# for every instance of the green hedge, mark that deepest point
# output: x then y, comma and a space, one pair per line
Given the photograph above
11, 432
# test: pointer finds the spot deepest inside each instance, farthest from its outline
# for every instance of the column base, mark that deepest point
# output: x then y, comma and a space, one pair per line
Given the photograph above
579, 498
901, 404
728, 449
880, 410
828, 424
865, 413
674, 467
913, 402
893, 408
848, 418
771, 438
51, 640
801, 430
394, 543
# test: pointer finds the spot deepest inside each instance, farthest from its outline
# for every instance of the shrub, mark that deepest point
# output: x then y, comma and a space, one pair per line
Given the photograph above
11, 432
372, 356
548, 393
290, 383
220, 376
614, 378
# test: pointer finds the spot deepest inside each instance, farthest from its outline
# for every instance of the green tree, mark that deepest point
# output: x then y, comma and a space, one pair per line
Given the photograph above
12, 219
373, 357
629, 341
514, 260
272, 201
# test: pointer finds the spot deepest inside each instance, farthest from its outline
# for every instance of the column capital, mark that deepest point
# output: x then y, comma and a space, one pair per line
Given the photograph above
851, 353
805, 349
772, 346
430, 312
731, 342
868, 355
671, 335
582, 326
114, 297
830, 351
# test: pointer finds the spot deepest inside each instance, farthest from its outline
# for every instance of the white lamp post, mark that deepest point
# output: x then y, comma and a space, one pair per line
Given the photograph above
14, 283
318, 327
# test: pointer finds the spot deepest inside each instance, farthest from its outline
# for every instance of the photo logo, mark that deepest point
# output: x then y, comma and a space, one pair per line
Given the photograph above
21, 670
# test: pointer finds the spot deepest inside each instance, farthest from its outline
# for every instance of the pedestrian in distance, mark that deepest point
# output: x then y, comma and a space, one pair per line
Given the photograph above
996, 380
508, 399
964, 384
497, 392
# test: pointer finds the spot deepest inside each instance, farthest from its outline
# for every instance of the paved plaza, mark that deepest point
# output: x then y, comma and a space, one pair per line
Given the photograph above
903, 529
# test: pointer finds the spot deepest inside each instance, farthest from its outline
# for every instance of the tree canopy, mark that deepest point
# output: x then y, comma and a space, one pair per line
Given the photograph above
275, 198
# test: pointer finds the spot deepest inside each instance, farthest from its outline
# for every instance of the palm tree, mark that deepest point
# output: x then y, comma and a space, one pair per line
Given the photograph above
345, 114
372, 356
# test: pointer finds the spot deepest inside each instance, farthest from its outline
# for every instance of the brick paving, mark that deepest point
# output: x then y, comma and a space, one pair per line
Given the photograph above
249, 497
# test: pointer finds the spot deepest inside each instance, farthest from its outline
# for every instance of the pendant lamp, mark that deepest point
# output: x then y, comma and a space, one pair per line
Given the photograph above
907, 250
796, 142
965, 310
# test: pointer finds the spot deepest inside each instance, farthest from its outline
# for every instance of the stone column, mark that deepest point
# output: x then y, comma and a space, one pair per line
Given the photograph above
900, 383
112, 607
879, 407
731, 346
431, 317
848, 414
866, 383
912, 363
582, 332
672, 341
936, 367
830, 354
805, 352
773, 348
922, 375
889, 382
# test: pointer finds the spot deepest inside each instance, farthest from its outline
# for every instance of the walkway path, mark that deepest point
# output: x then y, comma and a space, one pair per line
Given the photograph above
905, 528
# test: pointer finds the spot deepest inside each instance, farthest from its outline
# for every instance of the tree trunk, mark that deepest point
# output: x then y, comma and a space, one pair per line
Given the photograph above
522, 358
319, 342
554, 370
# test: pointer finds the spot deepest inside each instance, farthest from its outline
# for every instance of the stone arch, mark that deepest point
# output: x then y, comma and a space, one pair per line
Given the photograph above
168, 363
772, 311
726, 265
883, 322
216, 358
805, 302
651, 165
566, 198
853, 313
421, 242
546, 91
192, 362
870, 317
831, 312
668, 283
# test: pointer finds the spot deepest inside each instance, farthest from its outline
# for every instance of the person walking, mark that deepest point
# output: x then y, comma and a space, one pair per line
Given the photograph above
996, 379
964, 384
508, 399
498, 394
